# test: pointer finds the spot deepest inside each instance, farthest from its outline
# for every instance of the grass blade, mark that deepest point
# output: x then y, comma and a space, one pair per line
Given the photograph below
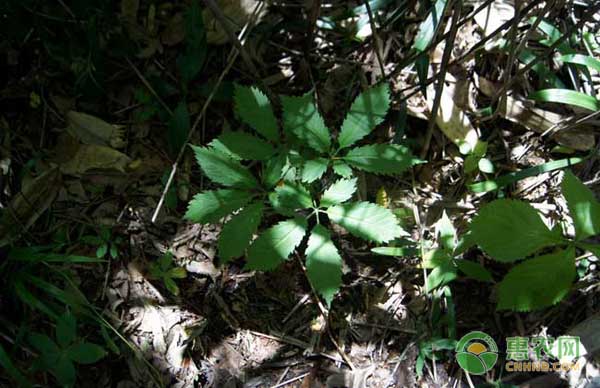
580, 59
505, 180
565, 96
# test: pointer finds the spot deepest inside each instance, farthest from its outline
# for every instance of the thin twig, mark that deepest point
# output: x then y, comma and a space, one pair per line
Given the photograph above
231, 60
442, 77
150, 88
291, 380
375, 38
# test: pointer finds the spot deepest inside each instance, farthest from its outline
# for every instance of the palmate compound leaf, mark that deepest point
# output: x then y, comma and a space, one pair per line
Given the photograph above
275, 244
246, 146
237, 233
583, 206
537, 283
381, 158
340, 191
367, 111
302, 118
255, 109
323, 264
211, 206
222, 169
509, 230
366, 220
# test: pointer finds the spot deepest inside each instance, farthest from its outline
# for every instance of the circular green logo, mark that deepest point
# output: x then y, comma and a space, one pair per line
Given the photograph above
476, 352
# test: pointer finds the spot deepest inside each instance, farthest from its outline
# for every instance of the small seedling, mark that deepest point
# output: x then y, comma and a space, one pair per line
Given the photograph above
165, 270
59, 356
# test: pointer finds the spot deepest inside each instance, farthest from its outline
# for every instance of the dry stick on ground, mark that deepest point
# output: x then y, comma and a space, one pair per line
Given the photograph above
231, 59
147, 85
375, 39
442, 76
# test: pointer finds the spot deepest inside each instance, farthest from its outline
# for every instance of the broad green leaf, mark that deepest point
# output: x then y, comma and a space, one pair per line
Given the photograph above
440, 276
302, 118
211, 206
539, 282
505, 180
43, 344
323, 264
170, 285
294, 195
279, 208
474, 270
246, 146
509, 230
65, 372
342, 169
255, 109
192, 60
486, 165
583, 206
314, 169
580, 59
102, 251
179, 127
435, 258
367, 111
446, 231
429, 26
340, 191
366, 220
566, 96
381, 158
86, 353
275, 244
237, 233
222, 169
66, 329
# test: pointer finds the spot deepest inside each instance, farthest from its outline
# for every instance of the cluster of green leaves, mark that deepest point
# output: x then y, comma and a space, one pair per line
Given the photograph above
510, 230
59, 356
305, 174
165, 270
104, 243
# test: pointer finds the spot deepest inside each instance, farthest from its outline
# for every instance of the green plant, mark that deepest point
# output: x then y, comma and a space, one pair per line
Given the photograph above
104, 242
59, 356
297, 179
164, 269
510, 230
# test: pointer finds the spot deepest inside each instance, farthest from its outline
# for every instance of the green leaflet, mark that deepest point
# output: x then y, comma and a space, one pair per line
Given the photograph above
246, 146
367, 111
237, 233
340, 191
342, 169
510, 230
366, 220
583, 206
314, 169
385, 159
446, 231
211, 206
429, 26
580, 59
539, 282
220, 168
302, 118
179, 127
275, 244
293, 195
323, 264
474, 270
566, 96
255, 109
440, 276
